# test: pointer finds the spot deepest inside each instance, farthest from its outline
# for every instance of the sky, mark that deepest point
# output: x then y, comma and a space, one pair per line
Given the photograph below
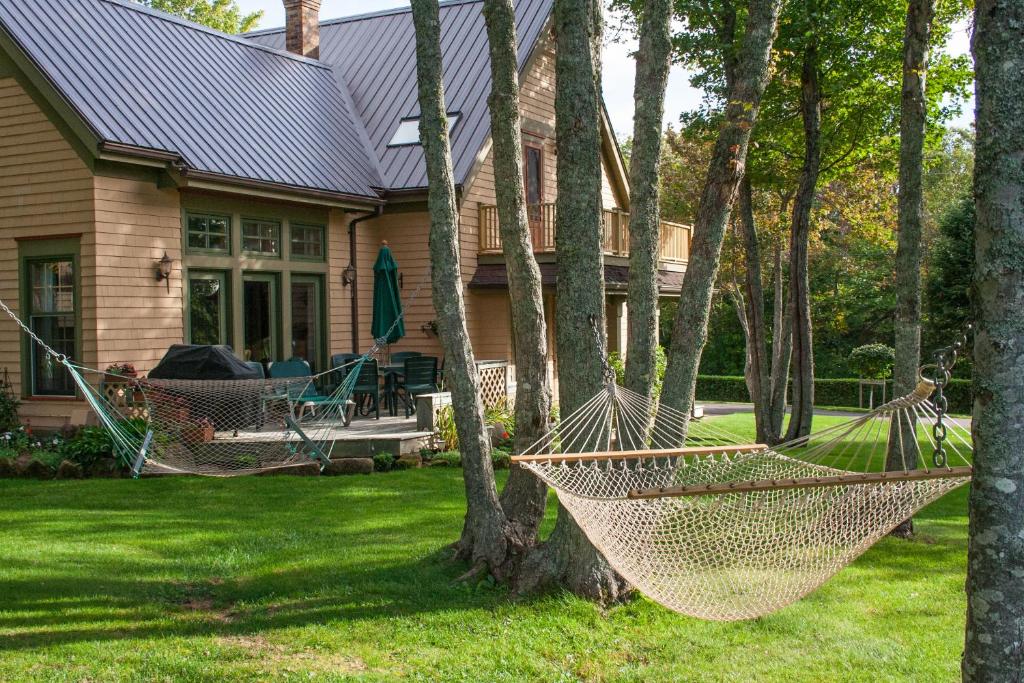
619, 67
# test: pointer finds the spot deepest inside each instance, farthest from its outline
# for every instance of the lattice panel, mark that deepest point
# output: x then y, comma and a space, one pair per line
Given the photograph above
493, 383
126, 398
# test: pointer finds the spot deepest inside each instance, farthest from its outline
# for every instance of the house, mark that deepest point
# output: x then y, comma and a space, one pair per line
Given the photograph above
264, 171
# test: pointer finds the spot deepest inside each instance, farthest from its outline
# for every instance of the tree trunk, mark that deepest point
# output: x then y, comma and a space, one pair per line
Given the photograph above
782, 349
525, 495
724, 173
913, 112
803, 348
994, 649
567, 558
755, 326
484, 537
652, 64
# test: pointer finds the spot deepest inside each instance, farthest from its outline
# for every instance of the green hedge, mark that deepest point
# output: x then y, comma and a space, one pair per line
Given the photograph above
827, 392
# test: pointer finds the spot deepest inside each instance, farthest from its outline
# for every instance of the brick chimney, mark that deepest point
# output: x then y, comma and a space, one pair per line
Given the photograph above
302, 27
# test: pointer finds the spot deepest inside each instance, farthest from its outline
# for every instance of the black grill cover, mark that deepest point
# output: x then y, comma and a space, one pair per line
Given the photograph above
197, 361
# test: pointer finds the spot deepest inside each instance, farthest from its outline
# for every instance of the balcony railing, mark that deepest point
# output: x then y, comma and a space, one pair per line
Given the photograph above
674, 239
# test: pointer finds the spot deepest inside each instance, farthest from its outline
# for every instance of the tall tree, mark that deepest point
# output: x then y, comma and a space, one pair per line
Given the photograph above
484, 537
913, 123
567, 558
223, 15
525, 495
994, 648
743, 98
652, 65
802, 411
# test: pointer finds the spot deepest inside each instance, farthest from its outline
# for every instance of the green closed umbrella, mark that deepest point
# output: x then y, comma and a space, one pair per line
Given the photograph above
387, 305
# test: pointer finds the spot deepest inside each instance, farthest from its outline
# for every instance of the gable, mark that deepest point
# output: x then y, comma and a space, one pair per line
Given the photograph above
375, 55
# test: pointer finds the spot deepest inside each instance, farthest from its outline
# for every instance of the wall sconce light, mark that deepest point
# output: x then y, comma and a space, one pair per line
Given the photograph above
348, 276
163, 270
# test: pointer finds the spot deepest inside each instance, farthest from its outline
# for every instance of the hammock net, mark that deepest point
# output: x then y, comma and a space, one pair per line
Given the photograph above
657, 494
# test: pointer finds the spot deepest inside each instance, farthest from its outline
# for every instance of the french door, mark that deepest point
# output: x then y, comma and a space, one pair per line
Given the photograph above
307, 314
260, 317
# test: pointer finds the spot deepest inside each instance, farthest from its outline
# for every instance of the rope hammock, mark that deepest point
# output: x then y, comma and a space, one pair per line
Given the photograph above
220, 427
715, 528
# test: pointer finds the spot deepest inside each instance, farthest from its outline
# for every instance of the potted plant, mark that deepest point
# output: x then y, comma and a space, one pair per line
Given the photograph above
120, 372
200, 431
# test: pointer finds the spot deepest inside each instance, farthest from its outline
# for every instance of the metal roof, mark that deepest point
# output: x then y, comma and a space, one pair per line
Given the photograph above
227, 106
375, 55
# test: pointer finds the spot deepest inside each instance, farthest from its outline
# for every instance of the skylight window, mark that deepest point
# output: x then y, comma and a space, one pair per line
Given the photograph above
408, 132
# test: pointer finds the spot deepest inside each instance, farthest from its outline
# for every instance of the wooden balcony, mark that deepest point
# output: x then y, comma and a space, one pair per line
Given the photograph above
675, 238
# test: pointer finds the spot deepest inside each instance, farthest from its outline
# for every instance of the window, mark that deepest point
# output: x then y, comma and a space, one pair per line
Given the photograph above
307, 307
209, 233
51, 315
307, 242
261, 237
408, 131
207, 308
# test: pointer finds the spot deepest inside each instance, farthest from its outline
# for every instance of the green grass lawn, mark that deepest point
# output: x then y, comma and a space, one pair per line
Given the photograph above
346, 578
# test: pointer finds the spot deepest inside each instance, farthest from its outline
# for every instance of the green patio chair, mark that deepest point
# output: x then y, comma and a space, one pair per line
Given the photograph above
368, 386
420, 378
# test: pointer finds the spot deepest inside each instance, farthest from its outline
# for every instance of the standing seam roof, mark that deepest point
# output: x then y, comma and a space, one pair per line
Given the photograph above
225, 105
374, 55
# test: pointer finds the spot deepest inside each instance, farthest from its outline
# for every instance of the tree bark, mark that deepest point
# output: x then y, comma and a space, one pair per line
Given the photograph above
802, 412
525, 496
567, 558
652, 65
723, 176
782, 348
913, 112
484, 538
755, 327
994, 647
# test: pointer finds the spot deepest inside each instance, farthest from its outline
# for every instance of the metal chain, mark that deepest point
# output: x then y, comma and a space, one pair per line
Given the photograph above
60, 357
945, 359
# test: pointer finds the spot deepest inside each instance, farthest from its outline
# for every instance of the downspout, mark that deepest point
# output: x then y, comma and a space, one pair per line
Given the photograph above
355, 273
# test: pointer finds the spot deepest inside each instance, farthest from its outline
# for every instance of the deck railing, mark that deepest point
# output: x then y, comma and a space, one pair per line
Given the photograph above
674, 240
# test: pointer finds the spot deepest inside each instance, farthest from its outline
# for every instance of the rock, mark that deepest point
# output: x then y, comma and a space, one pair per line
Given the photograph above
34, 469
106, 468
8, 469
349, 466
69, 470
409, 462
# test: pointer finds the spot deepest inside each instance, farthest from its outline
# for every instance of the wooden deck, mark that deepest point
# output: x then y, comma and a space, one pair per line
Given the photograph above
365, 437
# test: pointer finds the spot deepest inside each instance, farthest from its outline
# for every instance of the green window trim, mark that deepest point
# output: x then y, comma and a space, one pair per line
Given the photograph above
205, 229
261, 237
308, 242
30, 253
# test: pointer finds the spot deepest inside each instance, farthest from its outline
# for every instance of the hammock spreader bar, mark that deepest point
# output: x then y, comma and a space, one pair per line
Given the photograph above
641, 455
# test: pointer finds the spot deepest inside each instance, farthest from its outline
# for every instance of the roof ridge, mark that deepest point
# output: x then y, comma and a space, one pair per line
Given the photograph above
234, 38
361, 17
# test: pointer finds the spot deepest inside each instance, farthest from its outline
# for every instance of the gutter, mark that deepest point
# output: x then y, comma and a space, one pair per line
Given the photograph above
352, 254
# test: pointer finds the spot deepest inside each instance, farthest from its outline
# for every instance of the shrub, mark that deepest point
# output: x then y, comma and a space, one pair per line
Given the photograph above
500, 459
661, 362
383, 462
8, 405
872, 361
502, 412
451, 458
87, 446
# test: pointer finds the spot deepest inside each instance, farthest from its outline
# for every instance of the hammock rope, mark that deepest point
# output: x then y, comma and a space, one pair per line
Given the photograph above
720, 529
221, 427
